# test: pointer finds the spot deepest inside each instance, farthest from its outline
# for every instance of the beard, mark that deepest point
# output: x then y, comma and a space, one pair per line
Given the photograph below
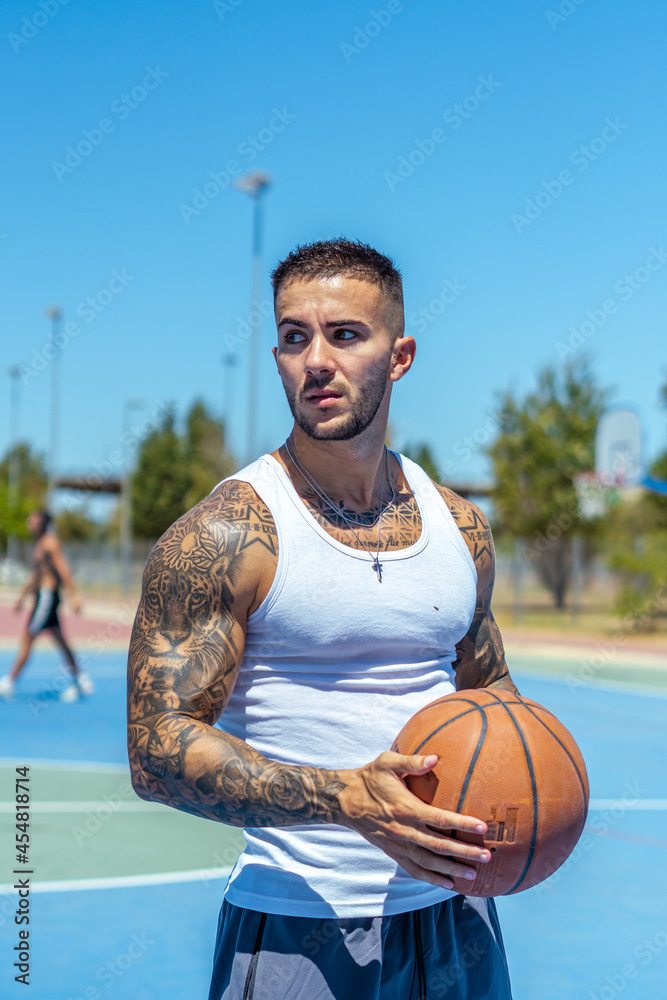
362, 412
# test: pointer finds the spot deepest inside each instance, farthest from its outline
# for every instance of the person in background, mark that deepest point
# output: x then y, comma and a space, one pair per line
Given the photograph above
50, 573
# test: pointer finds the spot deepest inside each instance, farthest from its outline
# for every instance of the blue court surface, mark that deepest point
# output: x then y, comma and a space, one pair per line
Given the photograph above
127, 893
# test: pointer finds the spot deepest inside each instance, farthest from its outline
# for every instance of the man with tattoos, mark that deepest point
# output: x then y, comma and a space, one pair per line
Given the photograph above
289, 626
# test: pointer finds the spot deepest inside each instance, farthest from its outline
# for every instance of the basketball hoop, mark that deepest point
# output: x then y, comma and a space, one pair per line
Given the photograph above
618, 448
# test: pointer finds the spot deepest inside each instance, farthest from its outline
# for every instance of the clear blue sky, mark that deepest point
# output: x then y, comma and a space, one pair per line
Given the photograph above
532, 87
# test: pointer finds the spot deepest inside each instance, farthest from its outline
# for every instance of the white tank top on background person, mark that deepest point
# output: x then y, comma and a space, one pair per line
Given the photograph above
335, 663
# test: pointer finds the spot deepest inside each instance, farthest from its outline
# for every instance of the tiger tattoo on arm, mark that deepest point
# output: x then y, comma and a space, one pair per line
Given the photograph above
185, 653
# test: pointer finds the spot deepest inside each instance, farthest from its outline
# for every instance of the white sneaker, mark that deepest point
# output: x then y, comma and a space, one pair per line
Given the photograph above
70, 693
6, 687
85, 683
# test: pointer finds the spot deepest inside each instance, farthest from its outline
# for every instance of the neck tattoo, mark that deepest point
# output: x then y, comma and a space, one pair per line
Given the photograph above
375, 559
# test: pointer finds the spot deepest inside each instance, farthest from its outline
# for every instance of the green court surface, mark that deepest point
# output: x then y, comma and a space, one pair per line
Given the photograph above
596, 664
90, 824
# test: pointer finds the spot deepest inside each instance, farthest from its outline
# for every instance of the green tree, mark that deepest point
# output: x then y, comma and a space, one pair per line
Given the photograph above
543, 441
29, 495
208, 458
160, 480
637, 547
76, 526
637, 551
656, 503
422, 455
175, 471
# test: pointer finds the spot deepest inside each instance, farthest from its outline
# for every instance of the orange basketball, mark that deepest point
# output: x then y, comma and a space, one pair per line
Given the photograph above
510, 762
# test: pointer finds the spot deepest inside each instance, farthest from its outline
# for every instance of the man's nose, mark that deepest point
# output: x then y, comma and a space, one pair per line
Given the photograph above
318, 357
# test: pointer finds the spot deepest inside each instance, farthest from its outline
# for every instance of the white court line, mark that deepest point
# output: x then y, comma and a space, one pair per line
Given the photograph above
636, 805
80, 805
209, 874
123, 881
130, 805
64, 765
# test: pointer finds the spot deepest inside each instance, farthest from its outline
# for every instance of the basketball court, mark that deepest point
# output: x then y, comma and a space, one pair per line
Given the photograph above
126, 893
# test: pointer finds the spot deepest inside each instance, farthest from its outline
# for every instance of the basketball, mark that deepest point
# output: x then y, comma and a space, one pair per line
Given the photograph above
508, 761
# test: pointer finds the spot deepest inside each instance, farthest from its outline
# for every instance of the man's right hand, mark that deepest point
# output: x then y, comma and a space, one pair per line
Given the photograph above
377, 804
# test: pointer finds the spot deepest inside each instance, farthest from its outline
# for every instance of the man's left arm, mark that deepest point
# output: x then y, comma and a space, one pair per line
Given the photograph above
480, 660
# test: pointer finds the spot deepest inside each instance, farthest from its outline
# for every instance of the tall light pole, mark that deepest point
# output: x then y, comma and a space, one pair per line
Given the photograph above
255, 184
125, 504
14, 482
54, 314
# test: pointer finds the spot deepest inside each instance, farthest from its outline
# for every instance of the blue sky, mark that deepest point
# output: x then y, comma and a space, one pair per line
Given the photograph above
509, 156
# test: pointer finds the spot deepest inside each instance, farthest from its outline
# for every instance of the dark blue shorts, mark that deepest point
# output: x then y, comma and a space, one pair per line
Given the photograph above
453, 950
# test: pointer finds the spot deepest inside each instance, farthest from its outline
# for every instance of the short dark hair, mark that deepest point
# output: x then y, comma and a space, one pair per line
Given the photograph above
349, 258
45, 518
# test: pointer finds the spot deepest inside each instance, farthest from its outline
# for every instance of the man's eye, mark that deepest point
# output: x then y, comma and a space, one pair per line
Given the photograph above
344, 334
294, 337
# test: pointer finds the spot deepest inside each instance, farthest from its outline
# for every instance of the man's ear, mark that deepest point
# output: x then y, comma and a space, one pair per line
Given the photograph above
402, 357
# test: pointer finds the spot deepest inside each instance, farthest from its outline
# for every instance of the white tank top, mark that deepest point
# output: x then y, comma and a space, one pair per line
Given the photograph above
335, 663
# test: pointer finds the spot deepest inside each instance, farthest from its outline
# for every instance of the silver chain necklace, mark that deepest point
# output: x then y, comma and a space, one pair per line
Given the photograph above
291, 451
377, 565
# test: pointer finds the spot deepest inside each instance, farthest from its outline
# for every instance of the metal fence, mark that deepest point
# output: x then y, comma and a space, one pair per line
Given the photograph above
97, 567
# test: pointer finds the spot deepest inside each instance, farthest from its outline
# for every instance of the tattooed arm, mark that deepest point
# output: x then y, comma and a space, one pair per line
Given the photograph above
480, 660
202, 579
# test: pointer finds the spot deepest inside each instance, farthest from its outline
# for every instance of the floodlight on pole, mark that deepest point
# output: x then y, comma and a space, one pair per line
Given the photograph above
254, 184
54, 314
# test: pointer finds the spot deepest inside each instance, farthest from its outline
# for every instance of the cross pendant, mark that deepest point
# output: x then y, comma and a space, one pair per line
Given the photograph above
377, 568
